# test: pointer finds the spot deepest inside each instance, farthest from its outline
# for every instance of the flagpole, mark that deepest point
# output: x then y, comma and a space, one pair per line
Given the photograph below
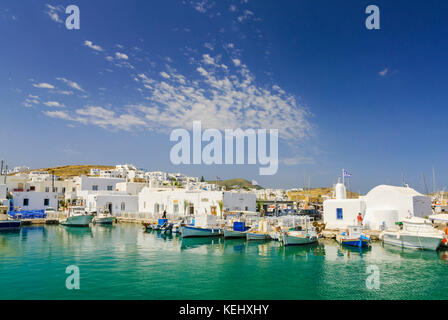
343, 177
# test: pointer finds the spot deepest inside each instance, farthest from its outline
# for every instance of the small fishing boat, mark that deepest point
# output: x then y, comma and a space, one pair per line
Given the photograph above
414, 233
298, 236
238, 230
192, 231
176, 228
156, 226
77, 217
204, 226
256, 235
103, 217
354, 237
6, 223
261, 233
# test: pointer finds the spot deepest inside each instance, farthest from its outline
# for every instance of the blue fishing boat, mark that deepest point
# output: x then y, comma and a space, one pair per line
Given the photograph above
10, 225
7, 223
354, 237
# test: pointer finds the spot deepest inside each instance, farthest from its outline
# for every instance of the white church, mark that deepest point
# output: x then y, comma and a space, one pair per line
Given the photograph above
381, 208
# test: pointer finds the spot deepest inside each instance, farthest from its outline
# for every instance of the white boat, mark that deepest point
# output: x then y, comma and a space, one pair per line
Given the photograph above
192, 231
300, 237
415, 233
103, 217
77, 217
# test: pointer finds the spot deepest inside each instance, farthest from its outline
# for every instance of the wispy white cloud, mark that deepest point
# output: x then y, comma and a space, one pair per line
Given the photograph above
53, 104
92, 46
43, 85
384, 72
71, 84
53, 12
120, 55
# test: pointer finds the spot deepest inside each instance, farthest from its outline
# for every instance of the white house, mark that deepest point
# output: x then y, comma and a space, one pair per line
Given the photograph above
182, 202
132, 188
116, 202
386, 205
382, 207
31, 200
342, 212
98, 183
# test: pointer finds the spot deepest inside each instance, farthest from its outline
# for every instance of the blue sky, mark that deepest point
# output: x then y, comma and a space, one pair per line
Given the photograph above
342, 96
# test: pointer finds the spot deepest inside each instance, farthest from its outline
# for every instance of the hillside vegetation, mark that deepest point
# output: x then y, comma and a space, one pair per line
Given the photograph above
74, 170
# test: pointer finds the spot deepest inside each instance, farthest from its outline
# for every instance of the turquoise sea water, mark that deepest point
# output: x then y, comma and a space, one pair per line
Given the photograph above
124, 262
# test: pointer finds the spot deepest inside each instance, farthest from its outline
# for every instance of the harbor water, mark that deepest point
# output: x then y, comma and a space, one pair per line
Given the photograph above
125, 262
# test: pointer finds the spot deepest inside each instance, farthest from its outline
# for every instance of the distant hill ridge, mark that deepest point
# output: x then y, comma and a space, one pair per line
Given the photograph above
240, 183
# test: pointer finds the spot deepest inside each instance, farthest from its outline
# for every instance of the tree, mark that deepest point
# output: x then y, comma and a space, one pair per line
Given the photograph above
202, 179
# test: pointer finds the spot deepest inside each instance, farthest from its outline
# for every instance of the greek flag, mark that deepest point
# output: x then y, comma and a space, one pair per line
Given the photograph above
346, 174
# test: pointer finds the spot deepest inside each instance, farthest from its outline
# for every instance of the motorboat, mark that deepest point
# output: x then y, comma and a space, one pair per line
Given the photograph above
103, 217
77, 217
299, 236
204, 226
354, 237
414, 233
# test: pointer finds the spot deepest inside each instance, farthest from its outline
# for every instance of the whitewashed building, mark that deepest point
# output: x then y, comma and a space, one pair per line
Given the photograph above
31, 200
182, 202
386, 205
116, 202
381, 208
132, 188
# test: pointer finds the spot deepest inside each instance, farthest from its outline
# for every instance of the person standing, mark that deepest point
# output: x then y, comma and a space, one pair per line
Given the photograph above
359, 219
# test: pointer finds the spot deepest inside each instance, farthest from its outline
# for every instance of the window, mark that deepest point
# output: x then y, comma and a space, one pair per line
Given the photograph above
156, 208
95, 188
46, 202
63, 190
176, 209
339, 214
26, 202
47, 189
32, 188
123, 206
109, 188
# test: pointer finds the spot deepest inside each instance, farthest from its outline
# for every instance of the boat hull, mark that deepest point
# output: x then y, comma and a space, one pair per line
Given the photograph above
257, 236
77, 221
234, 234
10, 225
194, 232
412, 241
104, 220
356, 243
290, 240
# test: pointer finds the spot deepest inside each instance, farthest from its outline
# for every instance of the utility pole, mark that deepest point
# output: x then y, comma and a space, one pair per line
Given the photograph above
424, 183
433, 180
52, 182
